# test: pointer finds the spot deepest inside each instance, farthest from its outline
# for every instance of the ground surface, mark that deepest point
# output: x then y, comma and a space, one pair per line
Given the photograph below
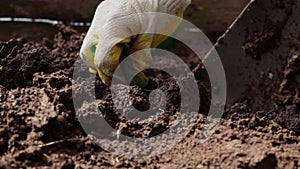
39, 127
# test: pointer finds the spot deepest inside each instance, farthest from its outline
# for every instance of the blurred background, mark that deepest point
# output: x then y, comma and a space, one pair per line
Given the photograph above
34, 19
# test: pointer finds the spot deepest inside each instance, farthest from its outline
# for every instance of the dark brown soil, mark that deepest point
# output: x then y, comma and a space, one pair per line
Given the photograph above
39, 127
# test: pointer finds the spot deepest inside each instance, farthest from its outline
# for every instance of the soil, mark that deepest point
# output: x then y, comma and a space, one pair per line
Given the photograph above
39, 126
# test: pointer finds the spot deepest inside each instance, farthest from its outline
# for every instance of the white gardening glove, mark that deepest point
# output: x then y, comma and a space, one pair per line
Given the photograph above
111, 31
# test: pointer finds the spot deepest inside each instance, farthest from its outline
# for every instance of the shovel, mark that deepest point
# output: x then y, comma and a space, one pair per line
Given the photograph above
256, 47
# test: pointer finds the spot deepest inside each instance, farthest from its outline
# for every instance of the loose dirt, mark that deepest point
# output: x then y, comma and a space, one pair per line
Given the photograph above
39, 126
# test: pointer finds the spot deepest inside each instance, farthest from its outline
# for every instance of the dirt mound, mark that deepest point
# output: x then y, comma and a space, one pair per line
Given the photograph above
21, 59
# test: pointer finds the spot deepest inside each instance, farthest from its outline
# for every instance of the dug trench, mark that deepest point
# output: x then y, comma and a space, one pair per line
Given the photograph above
40, 128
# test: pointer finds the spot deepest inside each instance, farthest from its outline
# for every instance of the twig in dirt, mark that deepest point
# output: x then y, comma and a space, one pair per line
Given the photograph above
57, 142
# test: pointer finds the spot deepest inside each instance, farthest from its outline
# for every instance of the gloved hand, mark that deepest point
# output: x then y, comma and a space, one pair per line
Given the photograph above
107, 42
